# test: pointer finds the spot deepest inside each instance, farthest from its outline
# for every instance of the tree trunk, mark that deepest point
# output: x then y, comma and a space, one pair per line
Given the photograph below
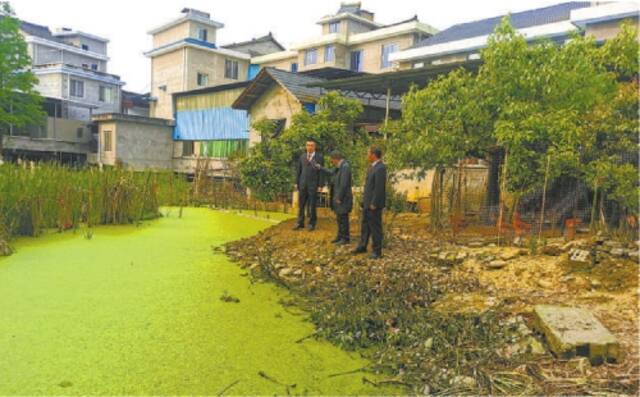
437, 191
489, 214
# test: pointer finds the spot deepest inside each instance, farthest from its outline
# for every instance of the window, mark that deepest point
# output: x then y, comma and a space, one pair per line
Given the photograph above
107, 145
294, 67
187, 148
202, 79
230, 69
76, 88
105, 94
85, 47
80, 132
85, 65
311, 56
329, 53
356, 61
202, 34
94, 66
387, 49
309, 107
334, 27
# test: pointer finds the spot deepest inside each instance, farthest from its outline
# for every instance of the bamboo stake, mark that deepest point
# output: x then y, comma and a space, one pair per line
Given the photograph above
502, 189
544, 196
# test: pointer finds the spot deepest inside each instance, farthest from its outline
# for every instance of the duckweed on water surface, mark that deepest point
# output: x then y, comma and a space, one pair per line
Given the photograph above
137, 310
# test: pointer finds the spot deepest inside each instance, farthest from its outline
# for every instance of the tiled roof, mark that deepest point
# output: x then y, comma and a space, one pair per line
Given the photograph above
519, 20
296, 83
246, 46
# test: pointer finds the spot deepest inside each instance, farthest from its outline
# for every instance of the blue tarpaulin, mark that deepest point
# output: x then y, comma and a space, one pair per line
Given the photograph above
211, 124
253, 71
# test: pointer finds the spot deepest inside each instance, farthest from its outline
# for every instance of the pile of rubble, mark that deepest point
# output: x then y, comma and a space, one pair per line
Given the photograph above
476, 286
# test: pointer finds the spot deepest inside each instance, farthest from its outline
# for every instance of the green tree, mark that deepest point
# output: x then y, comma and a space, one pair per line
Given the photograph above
268, 168
441, 125
20, 104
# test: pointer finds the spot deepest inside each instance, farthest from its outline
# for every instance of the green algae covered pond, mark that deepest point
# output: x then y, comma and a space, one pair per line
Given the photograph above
137, 310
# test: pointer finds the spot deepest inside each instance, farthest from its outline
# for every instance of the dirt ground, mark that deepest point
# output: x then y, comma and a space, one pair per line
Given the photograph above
609, 289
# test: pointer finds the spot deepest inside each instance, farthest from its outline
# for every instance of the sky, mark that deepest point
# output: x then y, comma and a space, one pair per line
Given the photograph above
126, 22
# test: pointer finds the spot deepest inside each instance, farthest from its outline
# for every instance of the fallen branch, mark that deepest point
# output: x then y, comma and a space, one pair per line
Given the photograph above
221, 392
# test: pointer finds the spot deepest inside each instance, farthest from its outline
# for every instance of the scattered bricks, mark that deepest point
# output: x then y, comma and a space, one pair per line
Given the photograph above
579, 257
576, 332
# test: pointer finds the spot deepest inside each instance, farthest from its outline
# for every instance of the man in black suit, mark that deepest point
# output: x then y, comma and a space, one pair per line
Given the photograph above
373, 201
308, 180
342, 196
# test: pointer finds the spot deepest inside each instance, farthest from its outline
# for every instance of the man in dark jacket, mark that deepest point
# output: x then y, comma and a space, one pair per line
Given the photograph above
373, 201
308, 181
342, 196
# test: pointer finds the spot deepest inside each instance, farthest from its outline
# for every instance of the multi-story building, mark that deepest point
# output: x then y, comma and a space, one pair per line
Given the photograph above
185, 57
463, 42
351, 39
72, 66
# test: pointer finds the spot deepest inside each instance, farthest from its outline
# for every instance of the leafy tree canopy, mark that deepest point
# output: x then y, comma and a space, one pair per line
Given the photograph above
20, 104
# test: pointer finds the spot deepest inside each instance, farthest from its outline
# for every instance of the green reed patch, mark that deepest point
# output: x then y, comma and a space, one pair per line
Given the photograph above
46, 196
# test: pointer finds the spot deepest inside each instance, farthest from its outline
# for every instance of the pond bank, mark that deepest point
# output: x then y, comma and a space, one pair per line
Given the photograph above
138, 310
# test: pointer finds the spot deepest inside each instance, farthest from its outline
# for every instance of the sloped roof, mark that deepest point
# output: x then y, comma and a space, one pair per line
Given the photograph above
519, 20
304, 88
266, 38
294, 83
246, 46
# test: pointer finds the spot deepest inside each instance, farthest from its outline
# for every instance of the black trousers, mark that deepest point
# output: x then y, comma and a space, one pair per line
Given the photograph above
343, 226
307, 197
371, 227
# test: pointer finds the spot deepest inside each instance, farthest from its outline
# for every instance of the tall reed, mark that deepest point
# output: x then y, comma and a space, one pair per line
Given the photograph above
44, 196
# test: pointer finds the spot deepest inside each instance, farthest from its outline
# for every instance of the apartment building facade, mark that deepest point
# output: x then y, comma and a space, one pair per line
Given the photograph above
185, 56
71, 69
350, 39
463, 42
72, 66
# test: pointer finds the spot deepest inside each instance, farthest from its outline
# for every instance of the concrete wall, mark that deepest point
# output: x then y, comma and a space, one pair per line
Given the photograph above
171, 35
182, 31
167, 70
57, 85
282, 64
609, 30
43, 55
372, 52
178, 71
341, 59
138, 143
203, 61
276, 103
94, 45
355, 27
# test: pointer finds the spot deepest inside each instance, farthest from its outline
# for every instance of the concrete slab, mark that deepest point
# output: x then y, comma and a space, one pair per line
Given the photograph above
579, 257
571, 331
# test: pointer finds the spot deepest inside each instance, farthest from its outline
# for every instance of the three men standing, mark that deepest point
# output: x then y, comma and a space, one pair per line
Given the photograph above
308, 180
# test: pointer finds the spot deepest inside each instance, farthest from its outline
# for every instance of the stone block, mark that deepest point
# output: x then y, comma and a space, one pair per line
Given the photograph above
579, 257
571, 331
